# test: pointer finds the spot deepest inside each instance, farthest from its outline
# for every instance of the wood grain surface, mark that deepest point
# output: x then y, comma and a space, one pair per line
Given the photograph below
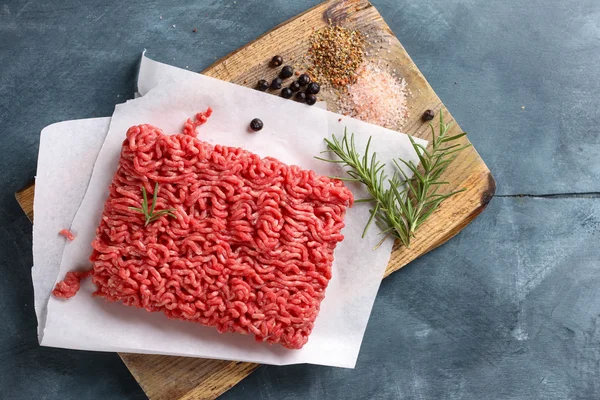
166, 377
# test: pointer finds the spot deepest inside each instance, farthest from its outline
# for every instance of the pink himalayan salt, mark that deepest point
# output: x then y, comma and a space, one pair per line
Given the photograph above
376, 97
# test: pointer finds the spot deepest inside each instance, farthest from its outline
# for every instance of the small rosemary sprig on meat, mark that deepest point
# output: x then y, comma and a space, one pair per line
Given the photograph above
149, 214
401, 207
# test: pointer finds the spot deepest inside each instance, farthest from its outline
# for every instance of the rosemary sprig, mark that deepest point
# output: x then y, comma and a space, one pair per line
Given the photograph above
150, 215
404, 205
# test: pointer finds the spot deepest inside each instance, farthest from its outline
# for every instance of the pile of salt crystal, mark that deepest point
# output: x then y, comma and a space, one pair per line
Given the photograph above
377, 97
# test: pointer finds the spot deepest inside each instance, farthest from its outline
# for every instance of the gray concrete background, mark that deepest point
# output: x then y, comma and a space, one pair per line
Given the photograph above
509, 309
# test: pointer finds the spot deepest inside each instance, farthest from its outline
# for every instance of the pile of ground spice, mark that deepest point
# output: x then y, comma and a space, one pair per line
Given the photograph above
377, 97
336, 53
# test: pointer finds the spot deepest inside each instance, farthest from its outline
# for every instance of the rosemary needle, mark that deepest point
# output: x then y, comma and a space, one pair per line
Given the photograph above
401, 205
151, 215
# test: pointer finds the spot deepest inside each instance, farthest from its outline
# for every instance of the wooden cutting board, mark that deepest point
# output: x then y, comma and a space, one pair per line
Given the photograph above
165, 377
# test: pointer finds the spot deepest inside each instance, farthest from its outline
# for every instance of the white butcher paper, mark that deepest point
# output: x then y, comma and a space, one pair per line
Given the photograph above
66, 159
153, 73
293, 133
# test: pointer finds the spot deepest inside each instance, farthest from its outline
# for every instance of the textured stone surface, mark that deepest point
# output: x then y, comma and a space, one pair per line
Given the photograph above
508, 309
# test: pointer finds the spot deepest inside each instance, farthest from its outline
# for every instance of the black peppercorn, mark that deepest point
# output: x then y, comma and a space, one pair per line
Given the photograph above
256, 124
262, 85
304, 79
313, 88
294, 86
428, 115
286, 93
301, 97
311, 99
276, 61
276, 83
286, 72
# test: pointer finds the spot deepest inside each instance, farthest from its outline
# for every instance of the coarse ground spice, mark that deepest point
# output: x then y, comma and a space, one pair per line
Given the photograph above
336, 53
376, 97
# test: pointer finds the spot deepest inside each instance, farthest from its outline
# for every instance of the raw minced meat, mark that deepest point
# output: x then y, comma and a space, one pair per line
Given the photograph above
67, 234
249, 248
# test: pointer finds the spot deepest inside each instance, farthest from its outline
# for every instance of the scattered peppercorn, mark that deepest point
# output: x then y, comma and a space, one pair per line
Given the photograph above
276, 83
194, 30
286, 72
304, 79
276, 61
295, 86
286, 93
311, 99
256, 124
301, 97
262, 85
313, 88
428, 115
